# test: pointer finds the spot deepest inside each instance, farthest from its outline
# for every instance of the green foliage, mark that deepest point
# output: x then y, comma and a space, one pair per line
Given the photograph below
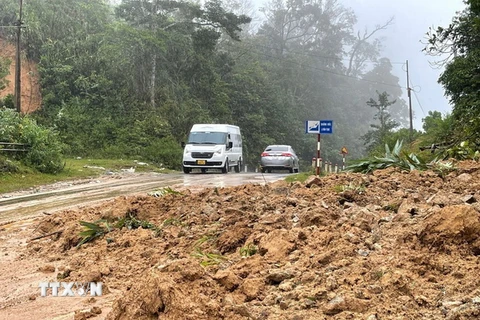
164, 191
99, 228
248, 250
353, 187
130, 85
461, 78
92, 231
130, 221
438, 128
7, 102
397, 159
4, 71
378, 135
44, 148
465, 150
7, 165
164, 152
207, 258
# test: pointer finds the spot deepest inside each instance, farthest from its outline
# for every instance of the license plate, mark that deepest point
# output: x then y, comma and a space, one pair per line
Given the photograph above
200, 162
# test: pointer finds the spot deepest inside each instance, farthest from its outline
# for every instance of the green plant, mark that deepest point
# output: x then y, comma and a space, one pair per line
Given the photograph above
209, 237
99, 228
208, 259
248, 250
392, 207
398, 159
130, 221
92, 231
350, 187
164, 191
462, 151
172, 222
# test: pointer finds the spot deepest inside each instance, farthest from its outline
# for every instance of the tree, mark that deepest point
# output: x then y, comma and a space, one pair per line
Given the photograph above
438, 128
461, 78
377, 137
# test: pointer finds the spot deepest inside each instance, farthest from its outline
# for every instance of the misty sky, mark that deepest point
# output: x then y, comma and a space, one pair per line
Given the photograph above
401, 40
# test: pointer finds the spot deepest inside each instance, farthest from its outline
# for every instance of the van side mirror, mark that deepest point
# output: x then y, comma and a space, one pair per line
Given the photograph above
230, 145
183, 144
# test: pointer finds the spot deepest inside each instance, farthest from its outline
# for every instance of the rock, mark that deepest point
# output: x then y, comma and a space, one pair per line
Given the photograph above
286, 286
464, 177
456, 224
313, 180
469, 199
335, 306
276, 245
47, 268
228, 279
252, 288
277, 276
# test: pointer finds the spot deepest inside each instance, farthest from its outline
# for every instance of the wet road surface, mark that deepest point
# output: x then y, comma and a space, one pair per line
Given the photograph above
18, 206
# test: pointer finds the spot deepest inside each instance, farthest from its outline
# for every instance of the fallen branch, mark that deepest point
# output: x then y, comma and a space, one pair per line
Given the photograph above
46, 235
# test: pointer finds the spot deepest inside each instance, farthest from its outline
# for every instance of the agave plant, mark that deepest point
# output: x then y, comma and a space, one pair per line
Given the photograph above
393, 158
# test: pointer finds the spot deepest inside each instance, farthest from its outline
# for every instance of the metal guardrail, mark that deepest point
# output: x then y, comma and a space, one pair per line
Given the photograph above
14, 147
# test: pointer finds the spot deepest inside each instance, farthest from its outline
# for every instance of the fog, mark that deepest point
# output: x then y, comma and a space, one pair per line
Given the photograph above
402, 41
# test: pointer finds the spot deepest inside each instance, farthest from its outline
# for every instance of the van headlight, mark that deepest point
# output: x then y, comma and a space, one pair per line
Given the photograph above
187, 151
218, 151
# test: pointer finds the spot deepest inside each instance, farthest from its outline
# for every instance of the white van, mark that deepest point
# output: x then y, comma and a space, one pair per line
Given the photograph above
213, 146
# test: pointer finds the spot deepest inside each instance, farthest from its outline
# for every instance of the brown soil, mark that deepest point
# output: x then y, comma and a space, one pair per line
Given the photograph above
389, 245
31, 98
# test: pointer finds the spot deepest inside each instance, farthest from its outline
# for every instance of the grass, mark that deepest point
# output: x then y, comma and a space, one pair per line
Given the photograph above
74, 169
207, 258
301, 177
248, 250
350, 187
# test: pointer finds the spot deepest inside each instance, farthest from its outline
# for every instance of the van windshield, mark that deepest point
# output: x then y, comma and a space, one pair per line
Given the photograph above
207, 138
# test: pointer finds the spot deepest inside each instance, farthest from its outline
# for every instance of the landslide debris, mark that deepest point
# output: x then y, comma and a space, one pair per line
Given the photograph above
388, 245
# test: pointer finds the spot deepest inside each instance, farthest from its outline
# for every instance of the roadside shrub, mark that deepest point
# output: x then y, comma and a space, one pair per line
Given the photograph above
44, 148
165, 151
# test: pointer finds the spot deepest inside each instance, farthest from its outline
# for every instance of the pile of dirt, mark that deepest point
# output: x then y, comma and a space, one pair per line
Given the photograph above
389, 245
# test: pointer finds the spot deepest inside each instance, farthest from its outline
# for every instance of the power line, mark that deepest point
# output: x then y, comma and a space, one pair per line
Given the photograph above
418, 101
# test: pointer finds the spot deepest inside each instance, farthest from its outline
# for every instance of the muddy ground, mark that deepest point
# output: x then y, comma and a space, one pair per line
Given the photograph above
388, 245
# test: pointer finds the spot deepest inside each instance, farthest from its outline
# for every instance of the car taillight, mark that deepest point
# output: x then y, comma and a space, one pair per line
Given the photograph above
286, 154
265, 154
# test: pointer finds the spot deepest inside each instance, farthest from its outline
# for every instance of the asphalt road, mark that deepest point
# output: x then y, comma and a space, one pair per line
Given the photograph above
26, 205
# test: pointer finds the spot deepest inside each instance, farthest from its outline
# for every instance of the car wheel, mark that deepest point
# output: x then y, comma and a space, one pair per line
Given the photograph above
238, 167
262, 170
296, 170
225, 167
186, 170
290, 170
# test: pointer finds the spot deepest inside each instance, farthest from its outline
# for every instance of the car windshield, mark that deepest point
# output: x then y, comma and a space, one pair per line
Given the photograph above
207, 138
276, 148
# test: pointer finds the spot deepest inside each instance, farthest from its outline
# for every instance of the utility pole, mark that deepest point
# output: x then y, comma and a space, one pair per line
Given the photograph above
410, 104
18, 90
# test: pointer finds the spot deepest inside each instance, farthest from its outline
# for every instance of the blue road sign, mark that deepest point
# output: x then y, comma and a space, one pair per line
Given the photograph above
326, 126
312, 126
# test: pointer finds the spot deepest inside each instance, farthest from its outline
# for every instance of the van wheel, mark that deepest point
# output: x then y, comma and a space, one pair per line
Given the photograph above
238, 167
186, 170
225, 167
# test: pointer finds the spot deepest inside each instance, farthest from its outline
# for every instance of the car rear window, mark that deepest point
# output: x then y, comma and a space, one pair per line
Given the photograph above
280, 148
